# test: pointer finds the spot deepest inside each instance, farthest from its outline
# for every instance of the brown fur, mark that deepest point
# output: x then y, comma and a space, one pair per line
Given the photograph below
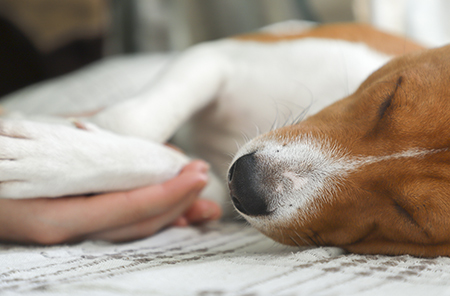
397, 206
353, 32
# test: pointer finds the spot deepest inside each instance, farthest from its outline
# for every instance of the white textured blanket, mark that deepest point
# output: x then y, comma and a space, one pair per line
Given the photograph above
216, 259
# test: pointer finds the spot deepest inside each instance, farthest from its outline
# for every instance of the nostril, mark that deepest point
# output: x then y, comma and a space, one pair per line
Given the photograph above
238, 205
231, 172
233, 167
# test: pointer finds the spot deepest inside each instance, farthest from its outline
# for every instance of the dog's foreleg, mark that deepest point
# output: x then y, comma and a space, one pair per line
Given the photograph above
189, 84
47, 160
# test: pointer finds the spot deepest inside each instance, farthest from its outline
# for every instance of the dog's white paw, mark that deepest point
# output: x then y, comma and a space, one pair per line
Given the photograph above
45, 160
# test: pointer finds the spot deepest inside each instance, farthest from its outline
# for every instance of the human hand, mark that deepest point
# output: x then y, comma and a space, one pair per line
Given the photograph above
118, 216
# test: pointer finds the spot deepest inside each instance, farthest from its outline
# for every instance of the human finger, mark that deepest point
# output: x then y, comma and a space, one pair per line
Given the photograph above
113, 210
51, 221
181, 221
145, 227
203, 210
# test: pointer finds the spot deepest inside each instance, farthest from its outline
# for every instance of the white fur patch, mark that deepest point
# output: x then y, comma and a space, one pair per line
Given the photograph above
298, 181
312, 169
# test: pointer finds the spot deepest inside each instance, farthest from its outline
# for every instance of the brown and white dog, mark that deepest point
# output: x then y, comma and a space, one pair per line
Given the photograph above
367, 173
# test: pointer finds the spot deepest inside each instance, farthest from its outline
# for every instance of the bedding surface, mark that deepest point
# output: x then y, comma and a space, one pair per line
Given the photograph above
220, 258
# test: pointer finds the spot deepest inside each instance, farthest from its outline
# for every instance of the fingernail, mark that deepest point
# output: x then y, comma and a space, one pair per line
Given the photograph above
203, 180
201, 166
204, 167
181, 222
209, 212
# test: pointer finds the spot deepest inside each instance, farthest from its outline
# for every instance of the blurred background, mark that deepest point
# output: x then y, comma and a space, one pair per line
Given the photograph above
41, 39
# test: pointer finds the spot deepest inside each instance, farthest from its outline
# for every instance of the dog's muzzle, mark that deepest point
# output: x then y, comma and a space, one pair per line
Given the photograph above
246, 184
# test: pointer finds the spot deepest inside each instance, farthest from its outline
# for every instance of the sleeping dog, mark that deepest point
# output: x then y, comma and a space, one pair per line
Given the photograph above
366, 170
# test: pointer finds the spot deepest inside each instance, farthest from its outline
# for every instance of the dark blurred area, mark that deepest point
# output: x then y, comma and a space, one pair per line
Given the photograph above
41, 39
21, 63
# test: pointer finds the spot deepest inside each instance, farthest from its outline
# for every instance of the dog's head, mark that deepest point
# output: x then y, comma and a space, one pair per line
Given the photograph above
370, 173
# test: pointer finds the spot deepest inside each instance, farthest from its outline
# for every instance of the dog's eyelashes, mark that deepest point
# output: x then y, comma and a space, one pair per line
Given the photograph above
388, 102
385, 106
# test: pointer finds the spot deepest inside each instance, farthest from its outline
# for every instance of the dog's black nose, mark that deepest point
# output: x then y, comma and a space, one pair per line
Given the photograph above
245, 184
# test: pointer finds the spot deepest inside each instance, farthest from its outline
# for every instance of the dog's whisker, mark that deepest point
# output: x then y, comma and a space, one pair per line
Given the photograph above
275, 122
288, 118
294, 241
303, 240
245, 137
312, 239
317, 237
299, 117
258, 131
238, 146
